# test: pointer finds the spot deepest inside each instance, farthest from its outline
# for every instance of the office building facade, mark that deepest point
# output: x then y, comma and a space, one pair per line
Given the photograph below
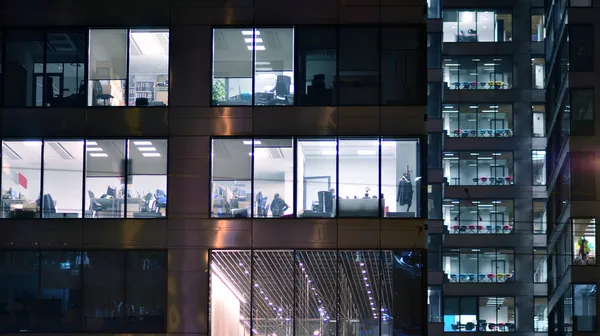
213, 168
572, 147
487, 142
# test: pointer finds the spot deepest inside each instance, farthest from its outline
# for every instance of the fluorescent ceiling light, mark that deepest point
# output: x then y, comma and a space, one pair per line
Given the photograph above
451, 64
258, 47
388, 144
489, 64
249, 142
93, 149
262, 63
91, 143
147, 149
148, 43
448, 106
448, 154
473, 106
366, 152
329, 152
98, 155
32, 143
250, 39
327, 143
151, 154
264, 69
250, 32
142, 143
451, 111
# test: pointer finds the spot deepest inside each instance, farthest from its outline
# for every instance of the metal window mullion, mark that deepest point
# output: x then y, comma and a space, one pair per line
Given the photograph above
125, 178
44, 75
252, 214
379, 177
127, 58
41, 194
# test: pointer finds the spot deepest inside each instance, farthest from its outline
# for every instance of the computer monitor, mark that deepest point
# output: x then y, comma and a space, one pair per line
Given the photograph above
110, 191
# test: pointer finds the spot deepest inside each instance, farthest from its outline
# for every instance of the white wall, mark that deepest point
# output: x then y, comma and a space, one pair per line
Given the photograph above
491, 314
224, 310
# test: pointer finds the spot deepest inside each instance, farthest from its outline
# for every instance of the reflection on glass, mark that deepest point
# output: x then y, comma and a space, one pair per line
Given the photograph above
231, 178
434, 304
584, 241
273, 177
538, 32
479, 168
108, 67
474, 120
24, 49
232, 66
479, 265
478, 217
460, 314
60, 291
584, 307
496, 314
148, 67
104, 178
21, 177
539, 216
316, 179
19, 290
477, 26
359, 178
147, 179
359, 61
316, 51
145, 295
63, 179
538, 162
537, 73
104, 290
540, 265
273, 65
399, 162
539, 120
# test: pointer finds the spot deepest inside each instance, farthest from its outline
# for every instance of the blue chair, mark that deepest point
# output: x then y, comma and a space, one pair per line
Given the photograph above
481, 277
462, 277
499, 132
471, 277
482, 132
453, 277
489, 228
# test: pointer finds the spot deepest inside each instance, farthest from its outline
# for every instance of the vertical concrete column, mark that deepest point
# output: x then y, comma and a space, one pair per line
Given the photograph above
188, 291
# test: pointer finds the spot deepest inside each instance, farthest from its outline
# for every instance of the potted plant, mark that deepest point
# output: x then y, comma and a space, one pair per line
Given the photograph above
218, 92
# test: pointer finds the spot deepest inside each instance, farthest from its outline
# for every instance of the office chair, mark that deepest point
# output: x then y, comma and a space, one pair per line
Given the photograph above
282, 89
100, 93
95, 206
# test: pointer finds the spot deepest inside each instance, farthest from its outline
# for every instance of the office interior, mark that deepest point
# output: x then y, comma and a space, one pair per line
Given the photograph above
56, 190
484, 314
140, 56
479, 168
317, 292
584, 241
478, 73
241, 54
538, 31
538, 73
540, 265
332, 177
584, 307
539, 120
479, 265
477, 26
478, 120
538, 167
540, 219
540, 314
478, 216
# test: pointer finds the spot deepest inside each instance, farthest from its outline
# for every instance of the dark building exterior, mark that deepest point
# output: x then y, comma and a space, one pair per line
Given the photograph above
213, 167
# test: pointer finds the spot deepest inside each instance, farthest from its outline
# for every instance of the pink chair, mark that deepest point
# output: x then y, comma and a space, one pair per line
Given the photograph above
483, 179
508, 179
491, 276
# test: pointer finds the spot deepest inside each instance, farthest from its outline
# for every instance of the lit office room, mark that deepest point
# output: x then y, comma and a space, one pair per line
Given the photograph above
478, 216
478, 120
477, 26
237, 51
333, 178
479, 168
485, 265
148, 55
318, 292
61, 181
478, 73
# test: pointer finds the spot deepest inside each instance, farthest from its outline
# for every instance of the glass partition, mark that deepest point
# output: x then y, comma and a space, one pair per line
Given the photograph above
477, 25
584, 241
148, 67
147, 178
108, 67
478, 73
497, 314
479, 168
478, 217
470, 265
478, 120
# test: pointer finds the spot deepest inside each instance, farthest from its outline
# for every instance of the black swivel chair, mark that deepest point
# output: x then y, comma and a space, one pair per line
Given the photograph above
282, 90
95, 206
100, 93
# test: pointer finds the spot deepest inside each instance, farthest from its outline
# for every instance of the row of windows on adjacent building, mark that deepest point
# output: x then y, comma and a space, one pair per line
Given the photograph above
92, 178
60, 291
332, 65
316, 292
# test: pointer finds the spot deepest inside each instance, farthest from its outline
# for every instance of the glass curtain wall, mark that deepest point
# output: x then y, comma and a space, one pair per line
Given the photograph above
317, 292
540, 265
538, 163
479, 168
584, 307
479, 216
537, 73
478, 73
539, 216
584, 241
539, 120
477, 120
540, 314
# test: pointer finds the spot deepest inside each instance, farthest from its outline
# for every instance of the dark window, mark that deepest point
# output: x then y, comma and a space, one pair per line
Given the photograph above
358, 78
581, 47
24, 62
145, 288
402, 58
583, 176
316, 53
104, 291
60, 292
19, 287
582, 112
584, 308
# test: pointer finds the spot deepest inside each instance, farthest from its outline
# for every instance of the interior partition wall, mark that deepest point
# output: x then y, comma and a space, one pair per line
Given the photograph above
316, 292
318, 177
